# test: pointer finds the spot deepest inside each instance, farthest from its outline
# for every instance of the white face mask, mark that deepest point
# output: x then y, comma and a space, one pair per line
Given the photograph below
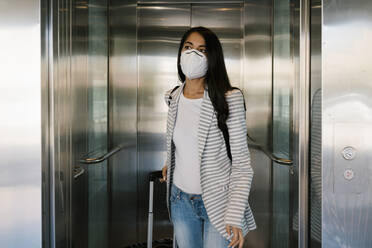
193, 64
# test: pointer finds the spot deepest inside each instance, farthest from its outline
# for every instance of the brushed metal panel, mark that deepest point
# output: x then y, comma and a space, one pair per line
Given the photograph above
260, 200
229, 29
97, 122
257, 86
315, 197
160, 28
258, 69
68, 116
347, 90
284, 77
315, 216
21, 124
59, 121
301, 103
295, 38
123, 167
46, 186
76, 100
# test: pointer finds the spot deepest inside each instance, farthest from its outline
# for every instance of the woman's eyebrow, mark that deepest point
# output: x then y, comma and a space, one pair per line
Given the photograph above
189, 42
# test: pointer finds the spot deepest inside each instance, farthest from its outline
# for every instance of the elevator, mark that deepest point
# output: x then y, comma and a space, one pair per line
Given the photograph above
112, 62
84, 118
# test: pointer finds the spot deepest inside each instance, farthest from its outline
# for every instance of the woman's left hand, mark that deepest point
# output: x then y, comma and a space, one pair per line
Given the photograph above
238, 238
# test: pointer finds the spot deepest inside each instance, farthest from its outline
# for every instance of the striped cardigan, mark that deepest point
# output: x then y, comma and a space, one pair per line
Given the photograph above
225, 184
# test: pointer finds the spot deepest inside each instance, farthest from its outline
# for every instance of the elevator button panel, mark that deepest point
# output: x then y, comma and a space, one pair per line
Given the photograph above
351, 171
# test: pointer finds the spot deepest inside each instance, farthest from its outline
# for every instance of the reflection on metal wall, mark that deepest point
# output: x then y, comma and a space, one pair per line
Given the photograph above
315, 211
123, 227
68, 133
71, 94
257, 88
97, 125
347, 124
229, 29
21, 122
258, 68
283, 80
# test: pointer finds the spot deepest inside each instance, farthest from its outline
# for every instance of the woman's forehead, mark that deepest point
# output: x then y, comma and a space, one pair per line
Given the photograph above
195, 39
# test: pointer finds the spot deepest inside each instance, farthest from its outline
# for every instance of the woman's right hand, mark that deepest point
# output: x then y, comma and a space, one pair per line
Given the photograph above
164, 173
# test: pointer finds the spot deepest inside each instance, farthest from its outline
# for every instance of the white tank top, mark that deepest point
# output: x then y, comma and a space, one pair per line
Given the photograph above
185, 137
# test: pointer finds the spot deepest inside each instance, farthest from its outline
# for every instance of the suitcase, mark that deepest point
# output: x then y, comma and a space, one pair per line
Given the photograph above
165, 243
161, 243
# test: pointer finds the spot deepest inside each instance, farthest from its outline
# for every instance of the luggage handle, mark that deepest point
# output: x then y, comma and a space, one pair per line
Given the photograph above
155, 174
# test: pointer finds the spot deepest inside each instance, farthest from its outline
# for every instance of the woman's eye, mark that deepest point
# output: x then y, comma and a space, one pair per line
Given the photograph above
187, 47
203, 50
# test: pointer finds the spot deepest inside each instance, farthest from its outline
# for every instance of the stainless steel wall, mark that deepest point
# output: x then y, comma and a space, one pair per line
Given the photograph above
68, 95
123, 112
258, 68
257, 86
72, 89
21, 123
347, 123
229, 29
315, 163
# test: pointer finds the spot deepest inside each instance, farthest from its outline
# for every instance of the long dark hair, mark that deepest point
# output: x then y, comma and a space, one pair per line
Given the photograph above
216, 78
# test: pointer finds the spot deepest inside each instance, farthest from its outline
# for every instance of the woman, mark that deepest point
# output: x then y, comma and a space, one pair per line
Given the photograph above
207, 193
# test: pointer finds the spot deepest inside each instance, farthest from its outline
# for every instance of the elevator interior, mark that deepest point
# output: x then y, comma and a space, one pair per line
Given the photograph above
113, 60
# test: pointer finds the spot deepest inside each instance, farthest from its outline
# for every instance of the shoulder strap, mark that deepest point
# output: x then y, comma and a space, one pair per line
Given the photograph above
170, 94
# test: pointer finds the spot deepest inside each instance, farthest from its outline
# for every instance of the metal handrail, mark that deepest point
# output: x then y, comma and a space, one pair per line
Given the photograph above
78, 171
273, 157
96, 160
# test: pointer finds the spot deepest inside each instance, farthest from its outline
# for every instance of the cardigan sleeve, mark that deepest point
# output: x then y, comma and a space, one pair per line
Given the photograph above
167, 102
241, 171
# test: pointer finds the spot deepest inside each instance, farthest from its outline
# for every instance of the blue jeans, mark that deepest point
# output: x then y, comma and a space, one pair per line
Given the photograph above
191, 223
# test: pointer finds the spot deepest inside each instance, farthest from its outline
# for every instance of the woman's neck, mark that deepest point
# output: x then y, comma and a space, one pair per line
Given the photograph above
194, 87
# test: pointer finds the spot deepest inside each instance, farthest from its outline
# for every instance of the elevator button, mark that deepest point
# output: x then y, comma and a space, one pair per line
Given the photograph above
348, 153
348, 174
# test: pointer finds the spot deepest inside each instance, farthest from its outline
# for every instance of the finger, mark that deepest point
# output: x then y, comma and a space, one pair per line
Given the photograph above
241, 239
236, 236
234, 242
164, 173
228, 229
